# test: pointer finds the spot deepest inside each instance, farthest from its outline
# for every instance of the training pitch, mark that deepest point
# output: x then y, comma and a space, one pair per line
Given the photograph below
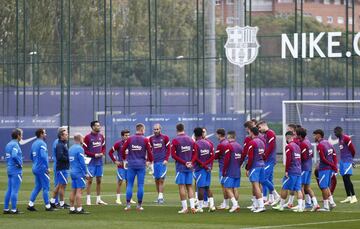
166, 216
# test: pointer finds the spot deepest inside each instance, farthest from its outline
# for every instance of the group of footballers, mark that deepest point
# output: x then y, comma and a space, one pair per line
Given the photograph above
194, 156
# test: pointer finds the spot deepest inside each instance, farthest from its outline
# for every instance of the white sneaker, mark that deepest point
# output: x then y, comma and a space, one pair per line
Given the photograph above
259, 210
324, 210
221, 207
183, 211
199, 210
100, 202
276, 201
132, 201
353, 200
298, 210
206, 204
127, 208
295, 207
347, 200
332, 205
118, 202
279, 207
139, 208
250, 207
212, 209
315, 208
234, 209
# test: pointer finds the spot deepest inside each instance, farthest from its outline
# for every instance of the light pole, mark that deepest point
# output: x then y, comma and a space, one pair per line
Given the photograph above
32, 54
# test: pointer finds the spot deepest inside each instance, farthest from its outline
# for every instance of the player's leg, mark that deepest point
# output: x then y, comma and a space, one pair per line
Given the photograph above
182, 195
131, 173
8, 195
45, 185
34, 193
229, 185
15, 183
89, 181
258, 196
225, 203
55, 196
190, 192
140, 187
72, 198
80, 185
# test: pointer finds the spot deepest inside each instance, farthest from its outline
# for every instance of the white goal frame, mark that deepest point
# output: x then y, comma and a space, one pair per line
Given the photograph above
284, 124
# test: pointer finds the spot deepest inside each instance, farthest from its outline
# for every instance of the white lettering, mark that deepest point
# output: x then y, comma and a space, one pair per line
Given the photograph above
313, 44
285, 42
332, 44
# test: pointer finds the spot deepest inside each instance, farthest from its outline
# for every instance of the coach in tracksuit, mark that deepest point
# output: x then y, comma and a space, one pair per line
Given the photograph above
13, 157
138, 157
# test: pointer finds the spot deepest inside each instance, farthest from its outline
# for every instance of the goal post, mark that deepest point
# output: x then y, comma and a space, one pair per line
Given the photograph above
325, 115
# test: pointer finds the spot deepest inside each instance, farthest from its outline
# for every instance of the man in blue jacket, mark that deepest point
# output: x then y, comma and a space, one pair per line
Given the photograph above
13, 156
40, 169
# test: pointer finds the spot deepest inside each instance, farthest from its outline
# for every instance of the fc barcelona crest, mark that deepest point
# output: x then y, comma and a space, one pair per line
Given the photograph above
242, 46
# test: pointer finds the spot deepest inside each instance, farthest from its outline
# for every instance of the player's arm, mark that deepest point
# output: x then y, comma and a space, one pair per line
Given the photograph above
250, 155
173, 152
212, 156
351, 146
304, 152
219, 151
15, 157
194, 156
270, 144
322, 153
288, 151
243, 154
81, 159
150, 157
103, 149
334, 160
168, 148
86, 144
227, 158
112, 151
124, 147
44, 155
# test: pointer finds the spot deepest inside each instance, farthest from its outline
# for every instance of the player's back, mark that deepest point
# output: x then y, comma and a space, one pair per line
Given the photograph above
39, 156
329, 151
270, 137
183, 148
54, 153
13, 156
295, 159
204, 148
235, 159
77, 161
306, 148
220, 150
137, 151
258, 146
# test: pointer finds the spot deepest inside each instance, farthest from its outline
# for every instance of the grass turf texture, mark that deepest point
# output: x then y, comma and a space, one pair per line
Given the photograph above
114, 216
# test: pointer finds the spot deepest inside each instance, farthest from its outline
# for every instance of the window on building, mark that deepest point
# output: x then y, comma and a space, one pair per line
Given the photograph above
229, 20
285, 1
330, 20
326, 1
218, 2
350, 20
337, 2
340, 20
319, 19
230, 2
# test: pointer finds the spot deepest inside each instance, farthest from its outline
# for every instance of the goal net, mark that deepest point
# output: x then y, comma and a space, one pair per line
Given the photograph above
325, 115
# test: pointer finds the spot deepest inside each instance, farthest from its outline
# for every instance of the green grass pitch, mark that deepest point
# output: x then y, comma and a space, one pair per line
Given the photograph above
113, 216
